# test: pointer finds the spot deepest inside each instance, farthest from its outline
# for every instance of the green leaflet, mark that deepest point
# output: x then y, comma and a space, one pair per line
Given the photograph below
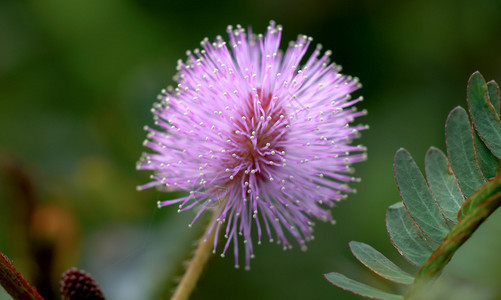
461, 151
406, 236
442, 183
379, 264
494, 95
417, 197
483, 114
356, 287
488, 163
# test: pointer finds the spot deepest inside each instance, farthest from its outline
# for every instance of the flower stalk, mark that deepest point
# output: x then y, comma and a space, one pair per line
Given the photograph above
14, 283
197, 263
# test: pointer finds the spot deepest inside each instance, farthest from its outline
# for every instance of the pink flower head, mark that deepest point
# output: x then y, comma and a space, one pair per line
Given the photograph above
254, 134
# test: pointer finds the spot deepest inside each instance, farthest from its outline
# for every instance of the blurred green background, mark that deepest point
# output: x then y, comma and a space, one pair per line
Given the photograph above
77, 81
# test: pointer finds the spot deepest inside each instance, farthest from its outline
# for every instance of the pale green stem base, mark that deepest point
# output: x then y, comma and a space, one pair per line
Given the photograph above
197, 263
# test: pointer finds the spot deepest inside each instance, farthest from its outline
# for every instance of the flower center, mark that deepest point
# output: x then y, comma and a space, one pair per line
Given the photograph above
257, 143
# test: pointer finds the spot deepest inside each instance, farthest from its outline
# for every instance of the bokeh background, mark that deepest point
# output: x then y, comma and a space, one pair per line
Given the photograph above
77, 81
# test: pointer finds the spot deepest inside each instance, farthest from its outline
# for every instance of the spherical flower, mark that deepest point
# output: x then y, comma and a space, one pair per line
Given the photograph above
251, 132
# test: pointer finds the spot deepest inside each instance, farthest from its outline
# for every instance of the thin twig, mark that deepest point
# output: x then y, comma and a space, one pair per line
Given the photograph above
14, 283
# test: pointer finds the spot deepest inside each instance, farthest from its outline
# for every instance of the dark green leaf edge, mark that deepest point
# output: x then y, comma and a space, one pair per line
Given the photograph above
494, 95
406, 236
471, 214
461, 151
417, 197
358, 288
443, 184
484, 117
379, 264
488, 163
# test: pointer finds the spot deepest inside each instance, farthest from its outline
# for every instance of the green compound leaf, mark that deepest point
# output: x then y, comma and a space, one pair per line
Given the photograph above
483, 114
406, 236
428, 208
494, 95
379, 264
361, 289
442, 183
417, 197
461, 150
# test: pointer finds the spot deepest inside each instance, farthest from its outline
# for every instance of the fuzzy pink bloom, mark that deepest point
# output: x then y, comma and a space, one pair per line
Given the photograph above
251, 132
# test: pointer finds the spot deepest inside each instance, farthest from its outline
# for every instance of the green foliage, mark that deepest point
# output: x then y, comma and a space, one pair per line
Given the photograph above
378, 263
359, 288
461, 151
433, 219
494, 95
487, 161
406, 236
417, 197
443, 183
483, 114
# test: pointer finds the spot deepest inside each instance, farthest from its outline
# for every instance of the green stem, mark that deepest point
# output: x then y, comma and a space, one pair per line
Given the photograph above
197, 263
14, 283
472, 214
